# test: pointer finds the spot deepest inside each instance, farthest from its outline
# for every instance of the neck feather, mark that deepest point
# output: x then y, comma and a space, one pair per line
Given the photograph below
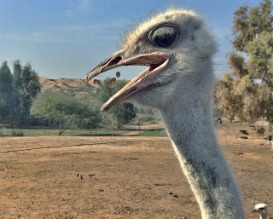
263, 214
190, 126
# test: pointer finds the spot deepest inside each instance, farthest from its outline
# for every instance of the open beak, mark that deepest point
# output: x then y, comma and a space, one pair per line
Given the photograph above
155, 61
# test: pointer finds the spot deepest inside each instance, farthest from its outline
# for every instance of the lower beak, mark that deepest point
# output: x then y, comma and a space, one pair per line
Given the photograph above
156, 61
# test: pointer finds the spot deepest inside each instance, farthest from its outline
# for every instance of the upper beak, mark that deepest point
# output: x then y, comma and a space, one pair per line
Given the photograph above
156, 61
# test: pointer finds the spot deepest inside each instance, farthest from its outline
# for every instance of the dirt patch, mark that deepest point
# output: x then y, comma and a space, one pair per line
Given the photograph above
119, 177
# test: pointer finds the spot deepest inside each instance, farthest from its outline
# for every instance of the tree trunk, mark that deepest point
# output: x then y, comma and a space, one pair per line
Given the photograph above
60, 130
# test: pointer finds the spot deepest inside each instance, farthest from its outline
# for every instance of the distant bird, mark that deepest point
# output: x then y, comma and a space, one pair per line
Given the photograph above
262, 209
177, 47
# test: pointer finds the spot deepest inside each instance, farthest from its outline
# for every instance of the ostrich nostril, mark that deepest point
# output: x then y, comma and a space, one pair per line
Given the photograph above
115, 60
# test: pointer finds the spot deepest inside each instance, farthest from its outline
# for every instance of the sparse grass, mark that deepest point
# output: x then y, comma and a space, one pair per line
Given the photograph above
32, 131
54, 132
17, 133
154, 133
127, 129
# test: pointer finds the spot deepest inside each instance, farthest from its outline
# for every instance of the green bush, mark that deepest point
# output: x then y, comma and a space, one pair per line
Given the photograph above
16, 133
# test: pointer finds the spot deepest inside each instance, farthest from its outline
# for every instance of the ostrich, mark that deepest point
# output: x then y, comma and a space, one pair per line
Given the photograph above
177, 47
262, 209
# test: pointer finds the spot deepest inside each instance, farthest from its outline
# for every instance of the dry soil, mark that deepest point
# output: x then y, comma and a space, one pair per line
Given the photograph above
119, 177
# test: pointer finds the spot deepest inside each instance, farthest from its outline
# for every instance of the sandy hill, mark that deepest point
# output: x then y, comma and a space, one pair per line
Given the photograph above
67, 84
80, 88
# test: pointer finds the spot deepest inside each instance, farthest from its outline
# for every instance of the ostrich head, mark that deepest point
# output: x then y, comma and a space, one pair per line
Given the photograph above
176, 46
262, 209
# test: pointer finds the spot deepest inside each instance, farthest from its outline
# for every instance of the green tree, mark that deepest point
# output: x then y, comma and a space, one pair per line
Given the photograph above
28, 88
17, 75
65, 111
18, 89
225, 97
122, 113
7, 100
251, 60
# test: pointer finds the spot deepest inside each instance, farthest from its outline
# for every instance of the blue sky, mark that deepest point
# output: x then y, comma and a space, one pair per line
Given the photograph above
67, 38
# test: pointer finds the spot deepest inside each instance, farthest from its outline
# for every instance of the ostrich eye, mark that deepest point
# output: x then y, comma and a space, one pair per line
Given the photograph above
164, 36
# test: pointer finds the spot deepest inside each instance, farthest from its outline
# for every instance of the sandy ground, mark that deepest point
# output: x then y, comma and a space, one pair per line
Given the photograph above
120, 177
